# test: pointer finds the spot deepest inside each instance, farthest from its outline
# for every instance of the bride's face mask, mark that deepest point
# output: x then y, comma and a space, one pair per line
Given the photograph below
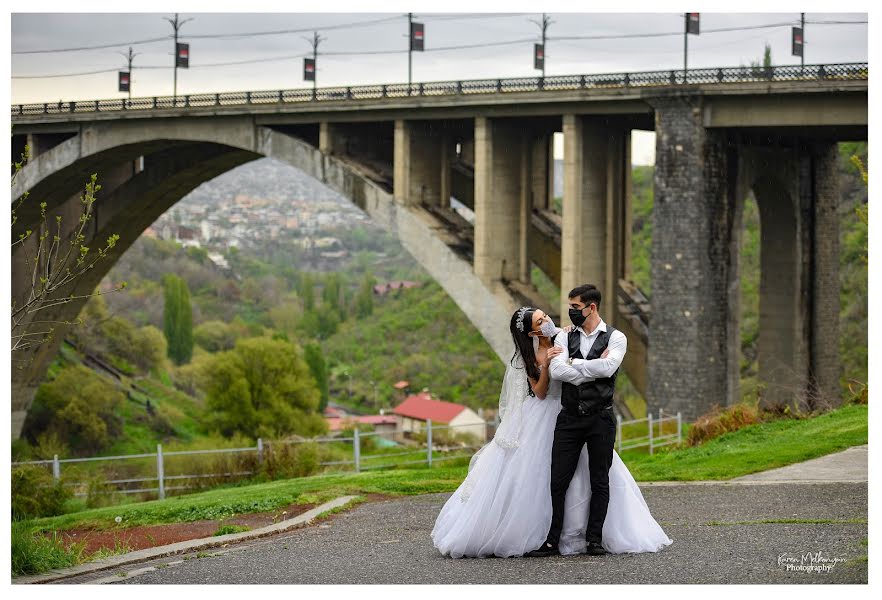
546, 329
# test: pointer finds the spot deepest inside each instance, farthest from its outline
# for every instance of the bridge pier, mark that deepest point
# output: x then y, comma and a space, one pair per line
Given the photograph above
500, 201
422, 164
796, 188
596, 226
689, 366
701, 179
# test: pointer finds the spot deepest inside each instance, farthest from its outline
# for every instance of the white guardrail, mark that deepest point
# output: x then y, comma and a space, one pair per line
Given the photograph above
359, 462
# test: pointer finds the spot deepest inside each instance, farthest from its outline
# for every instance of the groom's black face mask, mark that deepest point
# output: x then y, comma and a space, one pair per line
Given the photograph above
577, 317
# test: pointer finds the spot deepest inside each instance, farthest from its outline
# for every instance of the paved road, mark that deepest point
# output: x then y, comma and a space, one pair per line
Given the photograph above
388, 542
849, 465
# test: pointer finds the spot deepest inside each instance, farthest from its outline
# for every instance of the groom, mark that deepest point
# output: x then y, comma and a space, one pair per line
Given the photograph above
588, 376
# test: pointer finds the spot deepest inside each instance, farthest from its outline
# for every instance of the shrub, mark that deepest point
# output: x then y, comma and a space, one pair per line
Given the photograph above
262, 388
216, 336
80, 407
285, 461
36, 494
36, 553
99, 493
719, 421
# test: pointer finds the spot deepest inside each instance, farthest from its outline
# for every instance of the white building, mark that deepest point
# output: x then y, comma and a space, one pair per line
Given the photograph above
413, 413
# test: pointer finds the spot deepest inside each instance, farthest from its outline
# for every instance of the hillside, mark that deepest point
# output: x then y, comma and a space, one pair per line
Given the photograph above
418, 335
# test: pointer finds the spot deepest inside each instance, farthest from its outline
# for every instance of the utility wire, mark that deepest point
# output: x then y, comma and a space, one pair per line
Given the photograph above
384, 20
437, 49
302, 30
212, 35
99, 47
68, 74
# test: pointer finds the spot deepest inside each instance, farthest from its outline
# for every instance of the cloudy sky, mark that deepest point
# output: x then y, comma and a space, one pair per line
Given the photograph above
279, 56
274, 60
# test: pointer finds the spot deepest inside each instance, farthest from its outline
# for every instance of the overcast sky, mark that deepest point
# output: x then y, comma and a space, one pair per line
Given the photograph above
279, 57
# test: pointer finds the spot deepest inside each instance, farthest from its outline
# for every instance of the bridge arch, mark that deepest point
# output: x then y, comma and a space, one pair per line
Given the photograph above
179, 155
783, 182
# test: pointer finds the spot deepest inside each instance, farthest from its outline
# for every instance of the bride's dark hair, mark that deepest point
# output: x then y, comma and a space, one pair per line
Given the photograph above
524, 345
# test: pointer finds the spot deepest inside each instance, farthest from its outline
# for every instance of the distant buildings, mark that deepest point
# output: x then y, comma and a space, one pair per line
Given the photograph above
381, 289
413, 413
380, 423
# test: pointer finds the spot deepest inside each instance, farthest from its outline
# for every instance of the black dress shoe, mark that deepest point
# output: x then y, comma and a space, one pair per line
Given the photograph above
595, 549
546, 549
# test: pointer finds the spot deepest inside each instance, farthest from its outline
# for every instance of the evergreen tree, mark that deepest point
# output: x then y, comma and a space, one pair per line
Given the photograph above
315, 358
306, 289
178, 319
364, 300
186, 323
170, 317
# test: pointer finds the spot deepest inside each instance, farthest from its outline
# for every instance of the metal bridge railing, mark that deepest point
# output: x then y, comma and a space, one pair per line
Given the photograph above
720, 75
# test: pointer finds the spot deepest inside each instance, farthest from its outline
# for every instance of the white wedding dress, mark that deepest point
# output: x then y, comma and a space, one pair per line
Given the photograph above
503, 508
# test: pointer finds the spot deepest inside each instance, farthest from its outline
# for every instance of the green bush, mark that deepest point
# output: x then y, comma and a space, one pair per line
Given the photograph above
78, 406
99, 493
719, 421
262, 388
217, 336
36, 553
36, 494
286, 461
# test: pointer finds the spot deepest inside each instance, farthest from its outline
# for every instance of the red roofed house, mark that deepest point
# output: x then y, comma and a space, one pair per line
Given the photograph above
416, 410
381, 423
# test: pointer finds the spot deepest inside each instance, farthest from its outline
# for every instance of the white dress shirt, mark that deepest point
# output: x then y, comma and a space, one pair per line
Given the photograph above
583, 370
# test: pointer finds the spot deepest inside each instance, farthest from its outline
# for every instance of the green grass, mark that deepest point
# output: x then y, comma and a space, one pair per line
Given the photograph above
33, 553
228, 529
755, 448
223, 503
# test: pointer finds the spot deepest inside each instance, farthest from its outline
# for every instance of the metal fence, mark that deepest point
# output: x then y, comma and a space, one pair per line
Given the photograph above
425, 453
655, 431
644, 79
160, 479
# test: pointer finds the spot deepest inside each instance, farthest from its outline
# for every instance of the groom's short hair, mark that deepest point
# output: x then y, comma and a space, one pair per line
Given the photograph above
588, 294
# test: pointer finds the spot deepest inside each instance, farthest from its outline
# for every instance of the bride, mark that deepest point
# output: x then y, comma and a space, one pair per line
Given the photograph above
503, 507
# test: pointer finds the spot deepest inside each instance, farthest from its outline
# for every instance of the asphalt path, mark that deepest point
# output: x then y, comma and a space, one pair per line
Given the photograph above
723, 533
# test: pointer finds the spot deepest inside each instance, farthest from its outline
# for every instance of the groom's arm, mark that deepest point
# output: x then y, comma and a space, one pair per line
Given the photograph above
604, 367
560, 370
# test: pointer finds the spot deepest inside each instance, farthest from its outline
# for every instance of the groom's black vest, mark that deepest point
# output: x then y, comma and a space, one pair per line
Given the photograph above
594, 395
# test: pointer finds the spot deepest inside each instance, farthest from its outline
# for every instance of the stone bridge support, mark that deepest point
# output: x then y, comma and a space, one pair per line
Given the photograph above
693, 222
500, 200
701, 179
797, 190
596, 226
423, 155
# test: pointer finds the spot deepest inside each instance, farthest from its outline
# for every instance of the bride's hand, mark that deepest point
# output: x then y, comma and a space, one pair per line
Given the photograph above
551, 353
567, 329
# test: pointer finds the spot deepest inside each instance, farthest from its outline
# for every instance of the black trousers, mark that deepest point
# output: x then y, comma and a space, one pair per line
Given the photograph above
598, 431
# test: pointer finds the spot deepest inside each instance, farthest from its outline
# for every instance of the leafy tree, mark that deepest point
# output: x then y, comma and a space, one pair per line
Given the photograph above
332, 293
286, 315
306, 290
263, 387
315, 358
55, 264
79, 407
216, 336
178, 319
364, 299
